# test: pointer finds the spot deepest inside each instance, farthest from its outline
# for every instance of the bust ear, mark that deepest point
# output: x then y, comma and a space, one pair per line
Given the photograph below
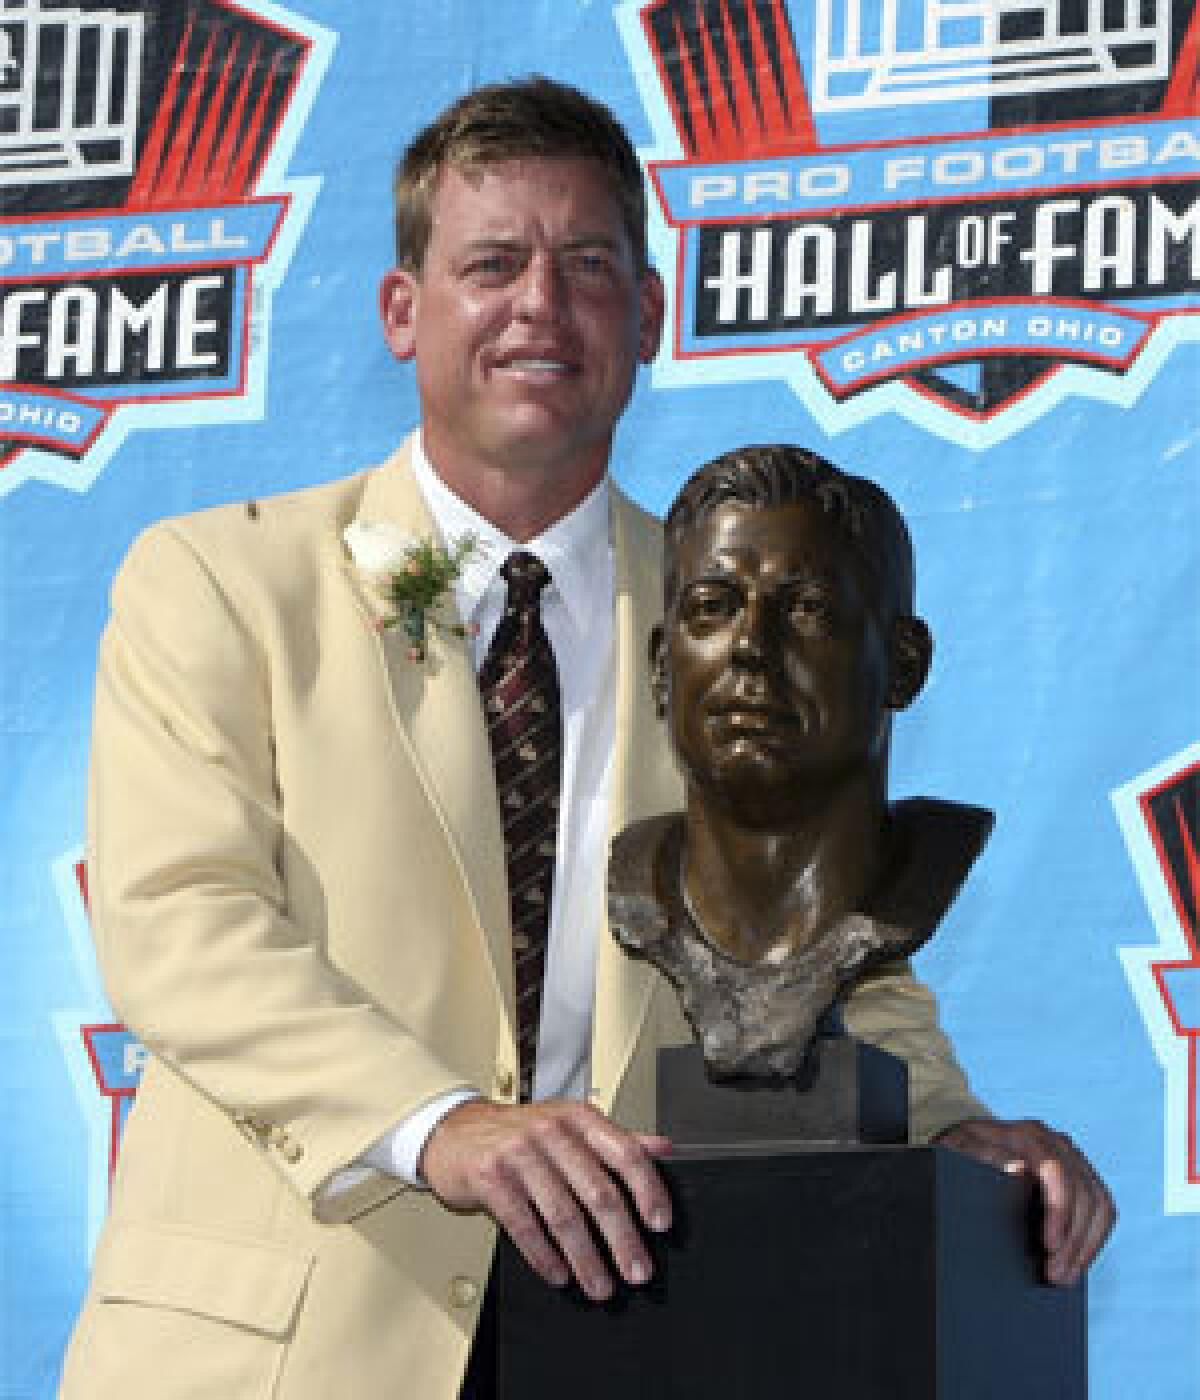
657, 652
911, 651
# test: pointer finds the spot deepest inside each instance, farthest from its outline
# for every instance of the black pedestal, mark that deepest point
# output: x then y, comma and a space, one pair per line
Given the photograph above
856, 1274
855, 1093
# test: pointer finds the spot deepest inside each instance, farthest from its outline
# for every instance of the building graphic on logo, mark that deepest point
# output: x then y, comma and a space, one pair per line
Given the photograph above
62, 119
962, 211
145, 218
892, 52
1159, 815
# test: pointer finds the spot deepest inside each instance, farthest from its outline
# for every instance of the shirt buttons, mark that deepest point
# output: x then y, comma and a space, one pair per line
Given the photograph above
291, 1151
505, 1083
464, 1291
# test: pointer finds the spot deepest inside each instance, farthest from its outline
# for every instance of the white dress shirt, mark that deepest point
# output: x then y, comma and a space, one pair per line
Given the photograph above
577, 612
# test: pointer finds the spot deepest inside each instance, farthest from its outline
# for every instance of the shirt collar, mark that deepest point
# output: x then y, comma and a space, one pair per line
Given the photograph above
574, 549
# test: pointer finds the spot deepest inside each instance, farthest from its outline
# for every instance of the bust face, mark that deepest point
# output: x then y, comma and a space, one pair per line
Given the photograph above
775, 657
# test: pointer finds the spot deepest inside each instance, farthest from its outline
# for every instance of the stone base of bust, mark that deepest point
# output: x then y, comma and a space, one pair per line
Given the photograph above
853, 1094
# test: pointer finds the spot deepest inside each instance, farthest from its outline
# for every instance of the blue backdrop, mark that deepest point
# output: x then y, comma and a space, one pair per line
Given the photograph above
1052, 484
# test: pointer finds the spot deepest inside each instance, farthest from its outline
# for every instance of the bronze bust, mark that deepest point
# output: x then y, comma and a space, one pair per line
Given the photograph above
787, 644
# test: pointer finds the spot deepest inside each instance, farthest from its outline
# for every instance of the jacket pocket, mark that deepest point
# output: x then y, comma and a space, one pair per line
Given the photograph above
185, 1316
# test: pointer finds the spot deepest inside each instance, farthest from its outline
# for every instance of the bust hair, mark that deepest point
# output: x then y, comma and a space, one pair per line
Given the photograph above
529, 117
779, 474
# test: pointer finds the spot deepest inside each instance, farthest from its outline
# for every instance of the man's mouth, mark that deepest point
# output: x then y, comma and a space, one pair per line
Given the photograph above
537, 367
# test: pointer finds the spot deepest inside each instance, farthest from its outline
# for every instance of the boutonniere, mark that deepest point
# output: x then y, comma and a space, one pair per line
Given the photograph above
413, 574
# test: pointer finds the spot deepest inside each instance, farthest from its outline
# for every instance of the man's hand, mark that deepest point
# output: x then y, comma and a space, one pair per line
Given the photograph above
541, 1171
1078, 1212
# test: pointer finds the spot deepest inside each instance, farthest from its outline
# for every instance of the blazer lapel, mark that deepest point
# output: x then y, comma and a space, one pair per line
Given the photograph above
644, 781
437, 711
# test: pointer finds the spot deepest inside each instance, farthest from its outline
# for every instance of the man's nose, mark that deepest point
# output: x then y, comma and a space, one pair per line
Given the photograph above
540, 294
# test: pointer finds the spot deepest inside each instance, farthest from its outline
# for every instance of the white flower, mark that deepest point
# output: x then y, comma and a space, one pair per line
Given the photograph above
413, 576
379, 550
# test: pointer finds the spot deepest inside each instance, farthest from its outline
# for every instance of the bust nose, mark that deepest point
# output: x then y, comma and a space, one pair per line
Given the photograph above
750, 640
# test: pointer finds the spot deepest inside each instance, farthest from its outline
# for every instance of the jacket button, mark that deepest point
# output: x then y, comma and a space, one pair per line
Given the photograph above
505, 1083
464, 1292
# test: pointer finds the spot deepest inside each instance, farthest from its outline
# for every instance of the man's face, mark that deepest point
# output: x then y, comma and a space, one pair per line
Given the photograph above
775, 658
526, 322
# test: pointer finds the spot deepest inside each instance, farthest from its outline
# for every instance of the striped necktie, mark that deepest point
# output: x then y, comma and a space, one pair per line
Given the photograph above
518, 683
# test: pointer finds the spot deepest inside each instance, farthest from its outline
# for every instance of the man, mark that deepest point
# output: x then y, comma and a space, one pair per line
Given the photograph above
298, 853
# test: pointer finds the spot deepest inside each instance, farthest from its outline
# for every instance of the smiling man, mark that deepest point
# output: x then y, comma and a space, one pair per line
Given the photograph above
525, 321
349, 892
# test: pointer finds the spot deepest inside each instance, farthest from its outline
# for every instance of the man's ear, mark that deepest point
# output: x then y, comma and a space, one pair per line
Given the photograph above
652, 300
398, 293
658, 668
910, 654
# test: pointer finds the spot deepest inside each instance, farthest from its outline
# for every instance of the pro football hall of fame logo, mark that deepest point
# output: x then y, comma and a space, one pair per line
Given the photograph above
959, 210
1159, 814
144, 217
103, 1059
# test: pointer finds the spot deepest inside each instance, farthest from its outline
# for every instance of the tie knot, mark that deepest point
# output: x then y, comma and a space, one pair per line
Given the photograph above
526, 576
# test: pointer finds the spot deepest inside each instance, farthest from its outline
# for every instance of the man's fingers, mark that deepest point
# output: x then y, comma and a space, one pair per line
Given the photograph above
509, 1206
548, 1173
1056, 1203
547, 1170
1100, 1223
629, 1157
1059, 1206
978, 1139
655, 1144
603, 1203
1078, 1211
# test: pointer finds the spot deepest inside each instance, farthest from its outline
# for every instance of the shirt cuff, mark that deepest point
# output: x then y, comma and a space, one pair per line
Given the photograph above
399, 1150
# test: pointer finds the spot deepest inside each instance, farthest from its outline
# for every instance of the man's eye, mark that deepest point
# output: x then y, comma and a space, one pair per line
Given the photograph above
494, 267
593, 265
